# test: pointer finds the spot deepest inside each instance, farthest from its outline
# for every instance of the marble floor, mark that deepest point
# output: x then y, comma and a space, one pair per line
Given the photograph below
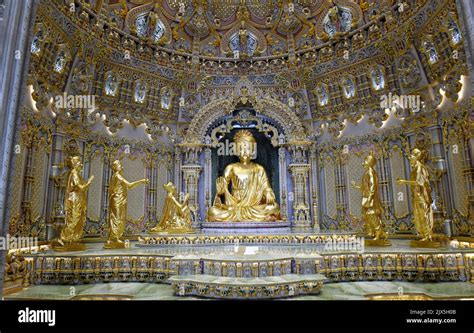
331, 291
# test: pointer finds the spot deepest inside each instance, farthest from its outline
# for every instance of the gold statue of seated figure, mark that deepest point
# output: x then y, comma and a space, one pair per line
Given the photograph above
251, 197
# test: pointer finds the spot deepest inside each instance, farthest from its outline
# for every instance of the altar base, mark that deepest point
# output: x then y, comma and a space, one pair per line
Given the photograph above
246, 227
172, 232
439, 240
114, 245
247, 288
377, 242
259, 266
425, 244
68, 247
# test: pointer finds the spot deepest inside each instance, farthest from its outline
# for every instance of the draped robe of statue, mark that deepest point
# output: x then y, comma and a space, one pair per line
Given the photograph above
247, 202
372, 208
176, 216
118, 193
118, 190
421, 189
75, 207
422, 200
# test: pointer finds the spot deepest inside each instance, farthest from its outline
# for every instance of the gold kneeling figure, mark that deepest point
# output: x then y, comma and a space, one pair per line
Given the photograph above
251, 198
372, 208
118, 190
422, 200
176, 216
75, 207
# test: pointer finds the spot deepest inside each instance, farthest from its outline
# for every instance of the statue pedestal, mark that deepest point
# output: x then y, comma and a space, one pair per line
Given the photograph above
439, 240
173, 232
377, 242
68, 247
425, 244
114, 245
242, 226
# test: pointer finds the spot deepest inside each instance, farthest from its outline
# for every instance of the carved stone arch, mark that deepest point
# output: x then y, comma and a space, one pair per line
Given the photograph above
266, 106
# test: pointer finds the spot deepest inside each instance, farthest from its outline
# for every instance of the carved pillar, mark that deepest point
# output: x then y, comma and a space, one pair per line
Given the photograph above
466, 12
55, 200
301, 211
443, 200
190, 180
207, 178
191, 170
177, 168
314, 186
299, 169
283, 184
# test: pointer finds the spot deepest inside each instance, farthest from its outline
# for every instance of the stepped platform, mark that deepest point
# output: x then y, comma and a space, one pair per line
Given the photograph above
265, 256
211, 286
243, 238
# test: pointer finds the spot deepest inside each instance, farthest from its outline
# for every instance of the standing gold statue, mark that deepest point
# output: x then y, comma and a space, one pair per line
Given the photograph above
372, 208
422, 200
75, 206
252, 198
176, 216
118, 189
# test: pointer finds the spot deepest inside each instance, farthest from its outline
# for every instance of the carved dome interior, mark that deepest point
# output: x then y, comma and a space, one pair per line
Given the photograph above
155, 64
242, 29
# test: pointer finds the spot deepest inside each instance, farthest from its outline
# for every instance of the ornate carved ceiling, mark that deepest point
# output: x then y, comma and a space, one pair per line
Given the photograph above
242, 29
147, 64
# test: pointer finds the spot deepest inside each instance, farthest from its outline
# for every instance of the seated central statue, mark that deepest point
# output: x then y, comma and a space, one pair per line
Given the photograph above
251, 197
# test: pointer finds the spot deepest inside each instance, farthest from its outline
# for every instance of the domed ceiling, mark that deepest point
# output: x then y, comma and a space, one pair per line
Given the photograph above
241, 29
160, 63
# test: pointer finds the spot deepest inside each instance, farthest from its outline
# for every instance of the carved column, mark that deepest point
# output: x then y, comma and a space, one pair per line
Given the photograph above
190, 180
207, 179
177, 168
55, 199
283, 184
191, 170
314, 186
299, 169
466, 12
443, 206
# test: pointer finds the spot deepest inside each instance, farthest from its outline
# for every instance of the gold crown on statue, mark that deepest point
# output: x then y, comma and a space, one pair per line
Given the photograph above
244, 136
371, 158
116, 164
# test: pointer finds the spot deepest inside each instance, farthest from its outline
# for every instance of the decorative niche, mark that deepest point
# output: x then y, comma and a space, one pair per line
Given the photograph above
140, 90
111, 84
63, 56
377, 77
348, 86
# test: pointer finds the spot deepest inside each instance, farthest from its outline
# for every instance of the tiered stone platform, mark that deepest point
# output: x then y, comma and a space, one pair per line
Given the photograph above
250, 227
267, 238
247, 288
263, 265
